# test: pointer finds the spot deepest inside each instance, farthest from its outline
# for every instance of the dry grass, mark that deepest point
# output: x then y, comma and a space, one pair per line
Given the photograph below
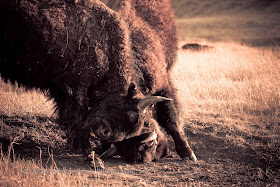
17, 100
20, 172
231, 86
249, 28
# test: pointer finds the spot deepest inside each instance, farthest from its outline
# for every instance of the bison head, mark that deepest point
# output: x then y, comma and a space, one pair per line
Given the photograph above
116, 117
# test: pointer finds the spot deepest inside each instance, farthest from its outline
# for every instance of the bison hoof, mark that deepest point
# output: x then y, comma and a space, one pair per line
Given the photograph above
193, 157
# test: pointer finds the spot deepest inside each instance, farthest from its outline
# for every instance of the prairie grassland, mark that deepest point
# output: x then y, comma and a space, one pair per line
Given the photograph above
252, 29
231, 86
233, 89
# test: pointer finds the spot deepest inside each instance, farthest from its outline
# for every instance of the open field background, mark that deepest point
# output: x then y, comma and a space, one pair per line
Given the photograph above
252, 22
229, 103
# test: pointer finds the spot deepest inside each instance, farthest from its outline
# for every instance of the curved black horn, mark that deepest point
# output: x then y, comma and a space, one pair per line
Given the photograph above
144, 103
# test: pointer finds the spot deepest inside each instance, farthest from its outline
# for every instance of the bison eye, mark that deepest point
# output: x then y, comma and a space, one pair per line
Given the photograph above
132, 116
131, 90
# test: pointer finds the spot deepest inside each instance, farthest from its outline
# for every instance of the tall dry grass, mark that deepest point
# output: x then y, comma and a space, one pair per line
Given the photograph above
232, 86
16, 171
19, 101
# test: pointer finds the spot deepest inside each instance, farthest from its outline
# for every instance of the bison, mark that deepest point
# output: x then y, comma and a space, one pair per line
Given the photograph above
196, 47
86, 54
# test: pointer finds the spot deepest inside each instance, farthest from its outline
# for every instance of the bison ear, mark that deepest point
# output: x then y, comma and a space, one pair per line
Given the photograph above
131, 90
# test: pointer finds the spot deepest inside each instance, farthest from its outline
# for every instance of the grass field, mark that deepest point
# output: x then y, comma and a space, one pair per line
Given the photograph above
233, 86
229, 98
253, 22
229, 101
247, 28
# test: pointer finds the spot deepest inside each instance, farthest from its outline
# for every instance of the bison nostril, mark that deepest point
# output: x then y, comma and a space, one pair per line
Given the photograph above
107, 132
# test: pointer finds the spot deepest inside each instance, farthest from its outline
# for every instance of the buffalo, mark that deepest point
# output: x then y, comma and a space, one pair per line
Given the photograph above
104, 65
196, 47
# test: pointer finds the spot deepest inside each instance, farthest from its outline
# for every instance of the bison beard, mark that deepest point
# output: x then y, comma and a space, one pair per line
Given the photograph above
86, 53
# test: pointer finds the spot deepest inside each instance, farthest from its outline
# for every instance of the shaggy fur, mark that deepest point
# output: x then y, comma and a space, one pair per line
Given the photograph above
82, 51
115, 119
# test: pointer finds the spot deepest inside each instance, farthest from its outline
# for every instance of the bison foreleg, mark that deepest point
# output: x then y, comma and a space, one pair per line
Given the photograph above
72, 109
166, 115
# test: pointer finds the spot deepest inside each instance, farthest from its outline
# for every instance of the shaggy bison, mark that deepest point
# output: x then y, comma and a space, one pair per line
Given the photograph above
87, 54
196, 47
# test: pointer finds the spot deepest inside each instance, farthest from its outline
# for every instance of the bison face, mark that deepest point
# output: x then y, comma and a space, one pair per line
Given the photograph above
116, 117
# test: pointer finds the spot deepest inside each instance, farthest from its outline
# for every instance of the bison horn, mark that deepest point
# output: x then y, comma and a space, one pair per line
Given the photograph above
109, 153
144, 103
152, 137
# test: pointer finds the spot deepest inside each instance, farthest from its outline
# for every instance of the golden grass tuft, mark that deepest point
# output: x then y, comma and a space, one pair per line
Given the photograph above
19, 101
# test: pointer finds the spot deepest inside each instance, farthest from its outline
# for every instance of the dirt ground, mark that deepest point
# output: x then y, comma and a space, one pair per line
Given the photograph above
220, 163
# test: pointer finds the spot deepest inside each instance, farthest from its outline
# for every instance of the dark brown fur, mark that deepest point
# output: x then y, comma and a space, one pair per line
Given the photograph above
125, 126
82, 51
